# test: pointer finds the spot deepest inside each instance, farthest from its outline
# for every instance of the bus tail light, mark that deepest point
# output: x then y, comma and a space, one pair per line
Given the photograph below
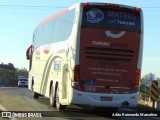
137, 78
76, 77
137, 9
134, 88
76, 83
112, 5
85, 4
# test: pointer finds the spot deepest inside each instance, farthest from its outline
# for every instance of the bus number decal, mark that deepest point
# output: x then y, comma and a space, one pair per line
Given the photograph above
57, 65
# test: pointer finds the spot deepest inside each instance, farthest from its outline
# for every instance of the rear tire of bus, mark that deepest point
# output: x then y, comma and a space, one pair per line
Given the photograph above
35, 95
52, 97
59, 106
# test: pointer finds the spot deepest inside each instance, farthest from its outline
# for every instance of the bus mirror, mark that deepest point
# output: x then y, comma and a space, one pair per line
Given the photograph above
29, 52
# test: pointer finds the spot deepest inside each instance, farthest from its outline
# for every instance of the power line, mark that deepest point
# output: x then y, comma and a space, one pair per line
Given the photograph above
145, 8
33, 6
28, 6
37, 7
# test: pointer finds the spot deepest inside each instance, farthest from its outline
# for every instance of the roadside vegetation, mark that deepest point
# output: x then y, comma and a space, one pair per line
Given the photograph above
9, 74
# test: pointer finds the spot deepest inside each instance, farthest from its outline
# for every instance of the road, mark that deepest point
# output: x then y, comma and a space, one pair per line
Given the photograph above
21, 100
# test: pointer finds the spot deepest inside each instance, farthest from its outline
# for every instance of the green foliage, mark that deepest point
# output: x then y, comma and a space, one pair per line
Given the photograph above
23, 72
8, 71
7, 74
144, 90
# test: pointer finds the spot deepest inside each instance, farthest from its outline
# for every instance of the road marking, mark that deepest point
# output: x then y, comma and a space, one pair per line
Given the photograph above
2, 108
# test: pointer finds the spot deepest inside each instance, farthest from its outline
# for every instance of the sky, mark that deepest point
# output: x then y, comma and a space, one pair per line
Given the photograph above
18, 19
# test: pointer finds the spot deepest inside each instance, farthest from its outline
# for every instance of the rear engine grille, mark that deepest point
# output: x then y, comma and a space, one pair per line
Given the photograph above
109, 54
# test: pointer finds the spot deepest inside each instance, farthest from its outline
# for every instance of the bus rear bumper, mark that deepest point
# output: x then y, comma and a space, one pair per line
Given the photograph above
104, 100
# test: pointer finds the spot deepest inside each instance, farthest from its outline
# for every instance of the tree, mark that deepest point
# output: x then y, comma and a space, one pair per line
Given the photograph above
10, 65
22, 72
144, 90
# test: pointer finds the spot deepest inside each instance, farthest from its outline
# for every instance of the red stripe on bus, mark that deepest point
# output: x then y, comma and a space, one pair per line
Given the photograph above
53, 16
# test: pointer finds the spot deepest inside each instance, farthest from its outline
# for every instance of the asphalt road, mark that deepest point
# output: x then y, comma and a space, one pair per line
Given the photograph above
21, 102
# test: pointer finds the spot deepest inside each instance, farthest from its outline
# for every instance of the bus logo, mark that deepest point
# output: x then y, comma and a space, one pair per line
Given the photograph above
95, 15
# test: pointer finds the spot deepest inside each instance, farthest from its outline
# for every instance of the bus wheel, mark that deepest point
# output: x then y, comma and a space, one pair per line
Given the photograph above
52, 97
59, 106
35, 95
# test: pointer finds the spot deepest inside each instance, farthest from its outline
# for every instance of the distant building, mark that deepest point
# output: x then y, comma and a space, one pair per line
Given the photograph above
149, 78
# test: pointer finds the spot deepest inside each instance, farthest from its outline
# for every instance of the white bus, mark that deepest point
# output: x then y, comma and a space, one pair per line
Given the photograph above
89, 54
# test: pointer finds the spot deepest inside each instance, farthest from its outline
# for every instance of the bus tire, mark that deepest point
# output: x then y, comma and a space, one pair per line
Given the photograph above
59, 106
35, 95
52, 97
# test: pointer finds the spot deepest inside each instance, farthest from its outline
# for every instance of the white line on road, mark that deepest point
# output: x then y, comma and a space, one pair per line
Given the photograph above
2, 108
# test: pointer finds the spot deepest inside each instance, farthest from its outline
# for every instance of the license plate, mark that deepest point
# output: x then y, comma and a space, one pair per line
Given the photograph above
106, 98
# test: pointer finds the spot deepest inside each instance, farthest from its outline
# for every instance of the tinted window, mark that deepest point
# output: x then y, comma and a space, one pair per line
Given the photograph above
103, 17
55, 30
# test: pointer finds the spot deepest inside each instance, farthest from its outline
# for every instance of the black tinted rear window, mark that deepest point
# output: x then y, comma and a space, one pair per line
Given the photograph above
103, 17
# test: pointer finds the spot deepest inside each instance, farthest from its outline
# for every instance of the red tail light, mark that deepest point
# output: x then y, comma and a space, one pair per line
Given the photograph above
76, 83
134, 86
137, 78
86, 4
137, 9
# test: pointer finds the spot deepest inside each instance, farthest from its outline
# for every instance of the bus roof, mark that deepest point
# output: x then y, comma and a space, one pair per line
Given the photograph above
110, 5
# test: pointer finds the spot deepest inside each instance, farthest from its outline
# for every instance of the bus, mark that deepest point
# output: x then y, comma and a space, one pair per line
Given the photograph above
89, 54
